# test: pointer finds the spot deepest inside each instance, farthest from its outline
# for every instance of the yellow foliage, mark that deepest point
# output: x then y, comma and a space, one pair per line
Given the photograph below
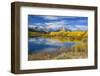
74, 33
62, 35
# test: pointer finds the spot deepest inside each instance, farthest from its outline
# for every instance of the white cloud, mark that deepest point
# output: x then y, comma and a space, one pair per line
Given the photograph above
77, 27
82, 20
32, 26
51, 18
38, 23
55, 24
71, 27
81, 27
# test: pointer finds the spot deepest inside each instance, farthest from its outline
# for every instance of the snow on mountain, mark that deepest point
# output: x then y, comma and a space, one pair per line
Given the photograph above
50, 28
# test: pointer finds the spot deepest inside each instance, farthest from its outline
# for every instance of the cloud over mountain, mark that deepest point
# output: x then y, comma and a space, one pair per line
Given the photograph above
53, 23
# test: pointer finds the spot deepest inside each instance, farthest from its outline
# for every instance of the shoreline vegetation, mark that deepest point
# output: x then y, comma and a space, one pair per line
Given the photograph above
77, 51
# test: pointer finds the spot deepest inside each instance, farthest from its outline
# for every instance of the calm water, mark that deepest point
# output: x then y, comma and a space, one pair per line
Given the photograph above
45, 44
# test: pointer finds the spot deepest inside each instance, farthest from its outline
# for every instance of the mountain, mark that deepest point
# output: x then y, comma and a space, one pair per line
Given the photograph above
37, 29
46, 28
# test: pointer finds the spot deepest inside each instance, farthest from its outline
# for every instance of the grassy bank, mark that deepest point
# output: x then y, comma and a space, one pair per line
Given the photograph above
62, 36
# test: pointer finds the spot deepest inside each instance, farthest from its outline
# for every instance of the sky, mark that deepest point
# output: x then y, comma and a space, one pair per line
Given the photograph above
55, 22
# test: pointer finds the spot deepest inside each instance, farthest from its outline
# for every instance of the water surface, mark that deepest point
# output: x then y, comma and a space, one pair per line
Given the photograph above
38, 44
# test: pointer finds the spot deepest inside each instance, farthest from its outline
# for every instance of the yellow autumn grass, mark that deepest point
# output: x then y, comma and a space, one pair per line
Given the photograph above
73, 35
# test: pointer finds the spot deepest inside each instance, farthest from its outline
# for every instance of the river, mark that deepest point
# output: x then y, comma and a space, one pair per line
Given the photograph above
38, 44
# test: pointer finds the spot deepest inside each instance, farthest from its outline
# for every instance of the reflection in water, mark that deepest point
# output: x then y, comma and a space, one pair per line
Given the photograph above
38, 44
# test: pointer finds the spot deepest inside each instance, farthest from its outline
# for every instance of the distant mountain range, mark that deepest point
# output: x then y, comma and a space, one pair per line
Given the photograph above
46, 29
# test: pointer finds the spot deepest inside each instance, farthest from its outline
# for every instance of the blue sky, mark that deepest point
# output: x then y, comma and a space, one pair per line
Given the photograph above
53, 22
